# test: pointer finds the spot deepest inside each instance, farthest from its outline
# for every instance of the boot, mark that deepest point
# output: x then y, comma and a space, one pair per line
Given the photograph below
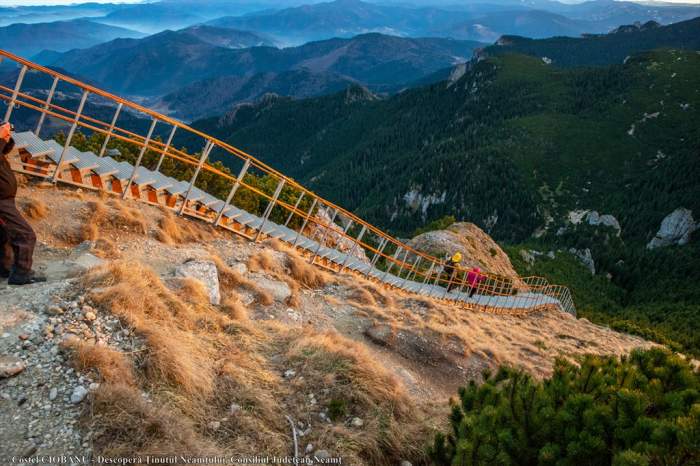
4, 273
25, 278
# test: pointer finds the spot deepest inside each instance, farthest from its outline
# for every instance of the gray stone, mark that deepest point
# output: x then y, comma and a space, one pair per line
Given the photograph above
380, 333
10, 366
205, 272
675, 229
357, 422
240, 267
280, 291
78, 395
322, 454
53, 394
405, 463
88, 261
586, 258
289, 373
214, 425
309, 448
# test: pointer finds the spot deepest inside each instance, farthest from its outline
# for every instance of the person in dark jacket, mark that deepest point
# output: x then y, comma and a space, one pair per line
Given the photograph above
17, 239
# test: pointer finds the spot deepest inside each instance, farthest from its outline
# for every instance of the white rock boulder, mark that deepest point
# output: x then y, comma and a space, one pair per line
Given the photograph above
675, 229
586, 258
205, 272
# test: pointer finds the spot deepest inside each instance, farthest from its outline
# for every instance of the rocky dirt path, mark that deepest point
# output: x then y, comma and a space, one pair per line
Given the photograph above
41, 394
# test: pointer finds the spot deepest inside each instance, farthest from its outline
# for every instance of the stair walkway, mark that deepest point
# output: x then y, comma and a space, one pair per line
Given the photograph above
66, 164
106, 166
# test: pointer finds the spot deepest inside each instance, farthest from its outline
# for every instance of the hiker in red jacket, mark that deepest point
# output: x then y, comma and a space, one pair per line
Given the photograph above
474, 277
16, 235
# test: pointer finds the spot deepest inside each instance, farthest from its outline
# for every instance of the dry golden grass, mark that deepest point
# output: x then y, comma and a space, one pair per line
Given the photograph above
129, 218
265, 262
129, 425
113, 366
34, 209
192, 291
306, 274
199, 362
235, 309
171, 230
178, 354
360, 386
229, 280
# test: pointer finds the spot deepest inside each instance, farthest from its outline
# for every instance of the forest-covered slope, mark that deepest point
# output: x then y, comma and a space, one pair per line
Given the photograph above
511, 145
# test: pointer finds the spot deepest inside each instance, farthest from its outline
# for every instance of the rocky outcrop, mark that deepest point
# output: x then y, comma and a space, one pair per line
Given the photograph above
586, 258
478, 248
675, 229
594, 218
205, 272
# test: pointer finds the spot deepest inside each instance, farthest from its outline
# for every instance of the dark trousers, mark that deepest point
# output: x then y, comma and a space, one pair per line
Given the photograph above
16, 238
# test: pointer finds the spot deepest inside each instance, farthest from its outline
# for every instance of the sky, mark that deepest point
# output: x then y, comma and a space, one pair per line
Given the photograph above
59, 2
68, 2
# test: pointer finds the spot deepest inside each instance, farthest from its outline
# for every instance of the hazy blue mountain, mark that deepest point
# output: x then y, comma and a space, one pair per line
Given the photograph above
49, 13
162, 63
30, 39
528, 23
152, 17
604, 49
226, 37
344, 18
610, 13
482, 21
218, 95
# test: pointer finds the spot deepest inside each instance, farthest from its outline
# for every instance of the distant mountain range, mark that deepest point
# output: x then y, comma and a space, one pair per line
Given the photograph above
290, 22
30, 39
165, 62
219, 95
603, 49
482, 21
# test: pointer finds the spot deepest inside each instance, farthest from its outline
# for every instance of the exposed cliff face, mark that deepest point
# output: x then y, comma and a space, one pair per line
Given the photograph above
675, 229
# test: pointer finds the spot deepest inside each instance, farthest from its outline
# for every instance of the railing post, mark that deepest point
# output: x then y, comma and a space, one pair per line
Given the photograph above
139, 158
354, 247
306, 220
15, 92
414, 268
205, 153
269, 208
234, 188
47, 104
166, 148
391, 263
403, 264
323, 238
438, 272
111, 129
382, 243
427, 277
69, 137
296, 205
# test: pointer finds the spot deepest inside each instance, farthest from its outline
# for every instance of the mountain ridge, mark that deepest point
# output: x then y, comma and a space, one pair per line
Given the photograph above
162, 63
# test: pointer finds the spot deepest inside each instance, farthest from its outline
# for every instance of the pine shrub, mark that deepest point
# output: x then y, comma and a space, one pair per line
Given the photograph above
643, 409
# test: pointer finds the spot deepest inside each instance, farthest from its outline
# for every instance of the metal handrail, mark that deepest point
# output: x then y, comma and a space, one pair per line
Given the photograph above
432, 267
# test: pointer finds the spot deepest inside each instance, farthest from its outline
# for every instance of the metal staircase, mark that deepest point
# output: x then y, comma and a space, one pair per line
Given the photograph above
342, 242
